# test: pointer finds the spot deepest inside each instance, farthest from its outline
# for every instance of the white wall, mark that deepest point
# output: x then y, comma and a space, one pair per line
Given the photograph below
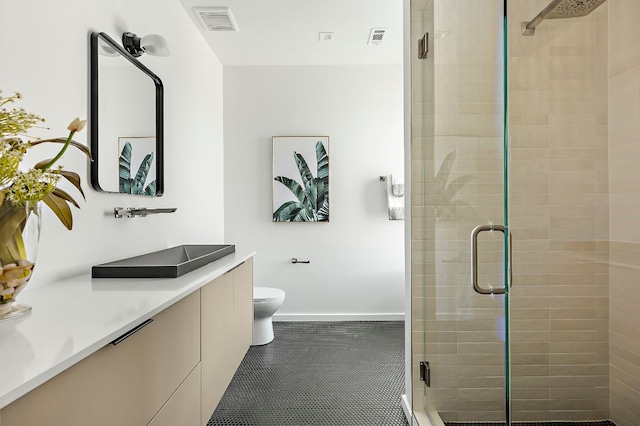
357, 260
44, 46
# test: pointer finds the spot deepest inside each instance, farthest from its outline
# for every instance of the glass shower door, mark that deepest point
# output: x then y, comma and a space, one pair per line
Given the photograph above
458, 154
559, 214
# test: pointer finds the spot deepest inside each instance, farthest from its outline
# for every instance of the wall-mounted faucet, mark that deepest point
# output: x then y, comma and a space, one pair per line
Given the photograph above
142, 211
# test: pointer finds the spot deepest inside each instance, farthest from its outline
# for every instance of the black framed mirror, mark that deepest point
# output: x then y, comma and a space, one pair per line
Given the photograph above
126, 127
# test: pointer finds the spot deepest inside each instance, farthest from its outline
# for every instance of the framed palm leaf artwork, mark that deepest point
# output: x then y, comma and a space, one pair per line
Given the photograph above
300, 178
137, 167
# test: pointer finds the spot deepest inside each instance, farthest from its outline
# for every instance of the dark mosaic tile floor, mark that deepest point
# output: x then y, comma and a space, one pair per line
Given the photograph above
313, 374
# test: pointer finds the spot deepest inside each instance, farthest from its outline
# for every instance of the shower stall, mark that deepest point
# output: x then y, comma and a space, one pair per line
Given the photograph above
525, 212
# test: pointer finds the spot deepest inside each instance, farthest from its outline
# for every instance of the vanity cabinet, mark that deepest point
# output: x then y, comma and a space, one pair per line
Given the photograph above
170, 371
123, 384
227, 330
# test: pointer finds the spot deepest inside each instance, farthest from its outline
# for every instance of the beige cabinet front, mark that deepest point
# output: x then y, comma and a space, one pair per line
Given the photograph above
243, 308
217, 341
227, 327
124, 384
183, 408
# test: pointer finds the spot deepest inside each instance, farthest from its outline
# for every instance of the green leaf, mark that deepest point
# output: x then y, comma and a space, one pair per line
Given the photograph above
40, 165
315, 193
323, 213
11, 219
293, 186
125, 186
125, 169
60, 207
303, 169
322, 193
14, 248
143, 171
287, 211
323, 167
62, 194
74, 178
81, 147
305, 214
150, 189
137, 187
323, 162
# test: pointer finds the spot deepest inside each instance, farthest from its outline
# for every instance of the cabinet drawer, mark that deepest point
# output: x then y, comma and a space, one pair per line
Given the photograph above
183, 408
124, 384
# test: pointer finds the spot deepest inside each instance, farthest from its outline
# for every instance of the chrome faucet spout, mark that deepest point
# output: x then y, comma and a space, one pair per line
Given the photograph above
139, 211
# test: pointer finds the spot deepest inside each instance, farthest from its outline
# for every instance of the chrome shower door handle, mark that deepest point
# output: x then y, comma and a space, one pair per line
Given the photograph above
474, 259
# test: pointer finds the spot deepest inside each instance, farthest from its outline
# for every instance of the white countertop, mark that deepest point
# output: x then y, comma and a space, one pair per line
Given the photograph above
72, 319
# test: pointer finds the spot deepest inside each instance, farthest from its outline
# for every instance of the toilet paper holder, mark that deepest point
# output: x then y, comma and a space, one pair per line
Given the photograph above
294, 260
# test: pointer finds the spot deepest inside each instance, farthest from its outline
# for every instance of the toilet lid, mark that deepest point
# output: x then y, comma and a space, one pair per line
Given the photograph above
266, 294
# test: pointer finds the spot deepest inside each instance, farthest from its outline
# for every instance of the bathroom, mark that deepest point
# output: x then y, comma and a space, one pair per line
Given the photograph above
574, 77
218, 168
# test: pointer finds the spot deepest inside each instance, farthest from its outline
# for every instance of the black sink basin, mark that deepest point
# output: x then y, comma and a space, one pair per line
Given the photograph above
169, 263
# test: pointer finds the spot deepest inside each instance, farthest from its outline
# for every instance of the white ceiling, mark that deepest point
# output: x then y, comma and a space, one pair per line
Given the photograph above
285, 32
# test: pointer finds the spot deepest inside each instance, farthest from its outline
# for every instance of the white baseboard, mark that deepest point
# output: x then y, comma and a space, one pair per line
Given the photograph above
406, 407
338, 317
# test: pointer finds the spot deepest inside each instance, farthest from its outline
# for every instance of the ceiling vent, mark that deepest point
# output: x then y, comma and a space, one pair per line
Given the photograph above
216, 18
376, 36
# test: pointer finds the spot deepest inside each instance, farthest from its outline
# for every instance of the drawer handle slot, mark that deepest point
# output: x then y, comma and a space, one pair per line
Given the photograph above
235, 267
131, 332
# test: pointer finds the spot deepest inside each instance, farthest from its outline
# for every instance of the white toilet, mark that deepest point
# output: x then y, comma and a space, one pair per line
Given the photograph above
266, 301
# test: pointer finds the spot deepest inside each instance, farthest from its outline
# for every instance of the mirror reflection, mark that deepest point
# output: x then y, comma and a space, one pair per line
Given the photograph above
126, 122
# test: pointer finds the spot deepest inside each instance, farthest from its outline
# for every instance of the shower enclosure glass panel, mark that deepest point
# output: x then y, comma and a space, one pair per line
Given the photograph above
558, 213
561, 345
458, 167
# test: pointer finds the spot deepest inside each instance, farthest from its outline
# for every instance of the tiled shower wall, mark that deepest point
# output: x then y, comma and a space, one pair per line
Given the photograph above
559, 210
624, 161
559, 215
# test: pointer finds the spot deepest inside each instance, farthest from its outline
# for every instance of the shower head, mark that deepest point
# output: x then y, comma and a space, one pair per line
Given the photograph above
559, 9
573, 8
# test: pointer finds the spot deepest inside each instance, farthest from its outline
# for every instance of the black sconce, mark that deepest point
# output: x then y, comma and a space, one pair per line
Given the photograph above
152, 44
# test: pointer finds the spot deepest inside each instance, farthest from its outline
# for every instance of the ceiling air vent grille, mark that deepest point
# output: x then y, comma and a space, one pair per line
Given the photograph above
376, 36
216, 18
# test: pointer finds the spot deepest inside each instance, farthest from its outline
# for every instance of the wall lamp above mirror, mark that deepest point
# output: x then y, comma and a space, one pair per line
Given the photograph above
127, 122
152, 44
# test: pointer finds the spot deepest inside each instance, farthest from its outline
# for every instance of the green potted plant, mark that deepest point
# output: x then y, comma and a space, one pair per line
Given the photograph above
22, 193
